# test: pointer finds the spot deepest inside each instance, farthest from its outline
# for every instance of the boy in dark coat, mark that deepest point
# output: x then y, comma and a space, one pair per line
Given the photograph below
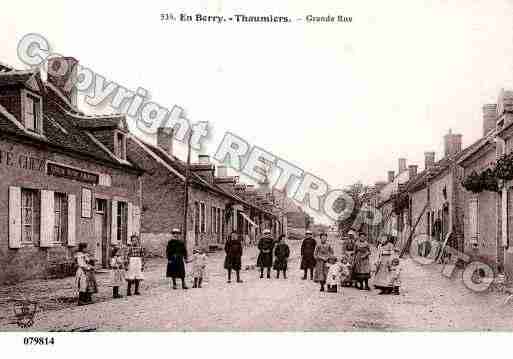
307, 254
265, 257
176, 257
281, 254
232, 261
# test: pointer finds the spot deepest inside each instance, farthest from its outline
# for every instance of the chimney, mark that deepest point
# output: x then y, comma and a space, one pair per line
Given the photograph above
204, 159
429, 159
222, 171
165, 139
402, 165
391, 176
412, 171
489, 117
61, 74
452, 144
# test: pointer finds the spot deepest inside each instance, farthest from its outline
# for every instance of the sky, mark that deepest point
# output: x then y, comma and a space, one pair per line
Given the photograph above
341, 101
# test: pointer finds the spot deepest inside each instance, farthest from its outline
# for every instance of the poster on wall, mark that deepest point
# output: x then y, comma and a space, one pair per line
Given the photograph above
87, 202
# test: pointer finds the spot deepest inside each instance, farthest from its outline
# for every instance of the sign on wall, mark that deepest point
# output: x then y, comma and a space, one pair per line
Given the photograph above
72, 173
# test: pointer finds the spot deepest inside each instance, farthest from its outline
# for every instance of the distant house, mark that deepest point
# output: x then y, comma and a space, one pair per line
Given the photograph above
214, 207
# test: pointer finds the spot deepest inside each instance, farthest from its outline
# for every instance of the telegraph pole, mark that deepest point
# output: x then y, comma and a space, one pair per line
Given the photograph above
187, 180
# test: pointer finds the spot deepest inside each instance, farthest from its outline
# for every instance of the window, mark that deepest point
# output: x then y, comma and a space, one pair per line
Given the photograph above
122, 222
120, 146
196, 217
30, 215
203, 224
32, 113
60, 233
222, 220
212, 219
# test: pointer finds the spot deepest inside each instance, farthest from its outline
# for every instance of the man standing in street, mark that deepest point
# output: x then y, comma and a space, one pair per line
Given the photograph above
307, 254
265, 257
176, 257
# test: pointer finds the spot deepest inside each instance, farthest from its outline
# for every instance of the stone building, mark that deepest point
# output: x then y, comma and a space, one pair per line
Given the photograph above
216, 204
65, 177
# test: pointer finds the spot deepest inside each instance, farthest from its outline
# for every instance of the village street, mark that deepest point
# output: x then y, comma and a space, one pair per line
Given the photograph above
428, 301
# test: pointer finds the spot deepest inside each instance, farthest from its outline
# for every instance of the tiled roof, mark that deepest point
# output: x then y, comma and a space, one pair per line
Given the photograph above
181, 167
59, 127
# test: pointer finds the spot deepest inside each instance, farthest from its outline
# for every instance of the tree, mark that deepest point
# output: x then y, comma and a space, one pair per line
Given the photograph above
356, 192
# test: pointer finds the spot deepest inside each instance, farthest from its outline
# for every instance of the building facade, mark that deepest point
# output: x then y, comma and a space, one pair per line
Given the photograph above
65, 178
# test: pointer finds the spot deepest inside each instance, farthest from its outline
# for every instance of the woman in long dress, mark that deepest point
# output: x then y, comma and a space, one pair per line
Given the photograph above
233, 259
322, 253
135, 259
386, 251
361, 272
85, 279
281, 255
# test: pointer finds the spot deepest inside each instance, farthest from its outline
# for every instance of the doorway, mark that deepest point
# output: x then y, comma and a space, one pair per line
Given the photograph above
100, 230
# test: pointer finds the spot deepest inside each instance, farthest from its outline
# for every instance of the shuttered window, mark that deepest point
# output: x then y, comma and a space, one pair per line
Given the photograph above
29, 215
203, 225
60, 233
72, 215
474, 219
32, 108
122, 215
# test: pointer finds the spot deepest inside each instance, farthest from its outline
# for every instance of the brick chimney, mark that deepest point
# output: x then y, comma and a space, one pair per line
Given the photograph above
429, 159
61, 73
391, 176
452, 143
489, 117
222, 171
165, 139
412, 171
505, 107
402, 165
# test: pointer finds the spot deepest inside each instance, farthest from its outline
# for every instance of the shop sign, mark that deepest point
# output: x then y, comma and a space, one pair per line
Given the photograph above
72, 173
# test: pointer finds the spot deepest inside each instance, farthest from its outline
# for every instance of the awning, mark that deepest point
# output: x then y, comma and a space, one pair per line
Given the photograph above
248, 219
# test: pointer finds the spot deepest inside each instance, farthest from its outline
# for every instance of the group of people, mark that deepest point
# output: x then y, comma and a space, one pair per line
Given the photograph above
272, 254
317, 259
353, 267
126, 266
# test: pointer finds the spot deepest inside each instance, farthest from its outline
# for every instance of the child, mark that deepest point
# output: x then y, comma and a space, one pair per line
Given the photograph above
334, 275
345, 272
395, 276
117, 272
85, 278
199, 266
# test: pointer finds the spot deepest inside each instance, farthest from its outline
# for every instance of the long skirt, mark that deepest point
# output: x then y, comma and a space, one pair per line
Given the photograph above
265, 260
117, 277
307, 262
382, 277
232, 262
280, 264
175, 267
135, 269
320, 271
85, 281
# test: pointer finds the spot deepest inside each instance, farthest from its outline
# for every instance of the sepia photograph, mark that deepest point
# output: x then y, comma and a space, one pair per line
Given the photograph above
312, 172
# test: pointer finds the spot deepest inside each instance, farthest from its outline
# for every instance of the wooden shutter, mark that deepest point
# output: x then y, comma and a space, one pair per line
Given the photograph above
473, 219
114, 222
72, 217
47, 218
14, 217
130, 220
137, 220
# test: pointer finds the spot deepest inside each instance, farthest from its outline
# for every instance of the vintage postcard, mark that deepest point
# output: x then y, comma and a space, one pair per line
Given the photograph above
255, 166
